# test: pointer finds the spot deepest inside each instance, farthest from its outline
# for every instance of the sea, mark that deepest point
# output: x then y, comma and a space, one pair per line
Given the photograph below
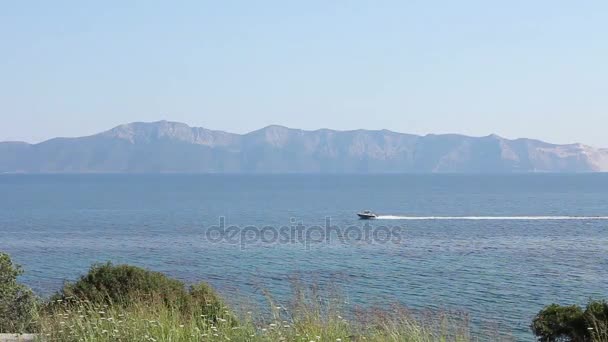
495, 247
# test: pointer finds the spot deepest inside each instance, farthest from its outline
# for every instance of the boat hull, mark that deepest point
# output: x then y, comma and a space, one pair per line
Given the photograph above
366, 216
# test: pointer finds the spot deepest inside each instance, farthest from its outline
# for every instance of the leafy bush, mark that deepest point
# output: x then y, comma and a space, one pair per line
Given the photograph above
571, 323
202, 295
596, 310
555, 323
125, 285
18, 304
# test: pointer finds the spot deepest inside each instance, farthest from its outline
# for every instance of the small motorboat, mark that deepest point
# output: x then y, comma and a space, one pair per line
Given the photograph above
366, 215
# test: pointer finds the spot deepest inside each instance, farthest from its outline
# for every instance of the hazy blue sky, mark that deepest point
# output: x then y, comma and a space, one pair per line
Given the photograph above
535, 68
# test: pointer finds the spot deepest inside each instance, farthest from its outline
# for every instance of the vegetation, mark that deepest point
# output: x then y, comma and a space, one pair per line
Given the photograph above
18, 304
307, 319
123, 286
572, 323
126, 303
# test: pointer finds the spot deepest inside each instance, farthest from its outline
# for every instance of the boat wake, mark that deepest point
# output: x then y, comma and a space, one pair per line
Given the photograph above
496, 218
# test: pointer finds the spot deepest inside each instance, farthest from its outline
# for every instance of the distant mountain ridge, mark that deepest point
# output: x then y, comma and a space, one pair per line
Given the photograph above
172, 147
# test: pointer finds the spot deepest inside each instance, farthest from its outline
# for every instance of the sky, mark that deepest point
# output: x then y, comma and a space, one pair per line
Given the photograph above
515, 68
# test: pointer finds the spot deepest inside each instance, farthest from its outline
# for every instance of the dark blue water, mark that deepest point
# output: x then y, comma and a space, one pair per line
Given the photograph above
514, 253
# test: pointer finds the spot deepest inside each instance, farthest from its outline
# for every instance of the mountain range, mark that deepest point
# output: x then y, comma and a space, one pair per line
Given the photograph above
172, 147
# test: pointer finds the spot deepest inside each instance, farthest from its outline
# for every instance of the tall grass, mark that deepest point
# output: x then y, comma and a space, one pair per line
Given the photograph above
598, 329
145, 320
307, 318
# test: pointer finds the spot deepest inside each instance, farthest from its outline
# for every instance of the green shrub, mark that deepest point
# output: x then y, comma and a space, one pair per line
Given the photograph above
18, 304
596, 310
571, 323
122, 284
125, 285
203, 296
555, 323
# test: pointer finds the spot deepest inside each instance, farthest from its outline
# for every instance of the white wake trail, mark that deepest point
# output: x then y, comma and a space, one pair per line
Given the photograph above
496, 218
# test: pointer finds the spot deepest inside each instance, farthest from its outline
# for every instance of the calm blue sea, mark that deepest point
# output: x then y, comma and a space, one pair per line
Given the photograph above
499, 247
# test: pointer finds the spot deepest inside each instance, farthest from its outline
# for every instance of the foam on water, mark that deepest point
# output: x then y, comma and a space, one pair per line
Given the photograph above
497, 218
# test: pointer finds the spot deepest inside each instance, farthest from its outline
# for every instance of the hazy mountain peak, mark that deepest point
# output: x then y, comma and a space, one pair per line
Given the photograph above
142, 132
274, 135
276, 127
